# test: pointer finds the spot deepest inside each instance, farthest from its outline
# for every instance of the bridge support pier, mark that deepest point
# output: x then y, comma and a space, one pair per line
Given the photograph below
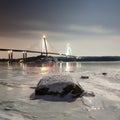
10, 55
24, 56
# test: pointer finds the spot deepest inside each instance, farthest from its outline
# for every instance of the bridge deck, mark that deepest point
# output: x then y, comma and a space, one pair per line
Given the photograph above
28, 51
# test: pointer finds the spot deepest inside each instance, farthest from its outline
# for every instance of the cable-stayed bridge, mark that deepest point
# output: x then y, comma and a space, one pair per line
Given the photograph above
44, 51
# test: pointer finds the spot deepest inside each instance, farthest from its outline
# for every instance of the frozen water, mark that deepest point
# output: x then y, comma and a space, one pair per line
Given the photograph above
17, 83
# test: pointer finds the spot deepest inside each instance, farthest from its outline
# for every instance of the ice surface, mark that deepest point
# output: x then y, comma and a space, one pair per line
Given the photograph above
17, 85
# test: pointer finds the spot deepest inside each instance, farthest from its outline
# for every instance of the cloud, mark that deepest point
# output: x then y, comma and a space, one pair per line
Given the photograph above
90, 29
115, 37
61, 29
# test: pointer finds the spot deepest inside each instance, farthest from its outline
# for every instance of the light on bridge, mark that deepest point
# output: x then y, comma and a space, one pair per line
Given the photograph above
10, 51
44, 36
69, 50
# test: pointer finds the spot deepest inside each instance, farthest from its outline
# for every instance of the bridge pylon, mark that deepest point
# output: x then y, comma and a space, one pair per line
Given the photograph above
68, 50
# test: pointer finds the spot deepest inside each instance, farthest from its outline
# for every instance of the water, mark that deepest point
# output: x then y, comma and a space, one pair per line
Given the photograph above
17, 83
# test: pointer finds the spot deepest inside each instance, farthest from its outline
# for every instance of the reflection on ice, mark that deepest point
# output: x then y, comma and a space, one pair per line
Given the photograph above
69, 66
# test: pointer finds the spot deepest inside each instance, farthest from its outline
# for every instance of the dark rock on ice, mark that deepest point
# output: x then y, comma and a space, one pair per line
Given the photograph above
104, 73
84, 77
59, 85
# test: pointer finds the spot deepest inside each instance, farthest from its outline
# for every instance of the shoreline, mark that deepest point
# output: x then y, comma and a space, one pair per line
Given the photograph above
65, 59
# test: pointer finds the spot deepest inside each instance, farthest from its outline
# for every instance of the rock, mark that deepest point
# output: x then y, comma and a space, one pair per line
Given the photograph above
84, 77
58, 85
104, 73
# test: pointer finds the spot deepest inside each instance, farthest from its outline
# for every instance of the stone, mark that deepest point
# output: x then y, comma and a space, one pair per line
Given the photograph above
59, 85
104, 73
84, 77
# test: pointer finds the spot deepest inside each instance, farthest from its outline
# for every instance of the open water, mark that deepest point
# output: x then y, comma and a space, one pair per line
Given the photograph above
18, 82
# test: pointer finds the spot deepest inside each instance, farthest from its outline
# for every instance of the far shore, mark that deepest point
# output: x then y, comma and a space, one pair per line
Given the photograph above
66, 59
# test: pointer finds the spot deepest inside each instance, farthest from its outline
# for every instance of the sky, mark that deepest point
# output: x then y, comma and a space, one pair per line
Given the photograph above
91, 27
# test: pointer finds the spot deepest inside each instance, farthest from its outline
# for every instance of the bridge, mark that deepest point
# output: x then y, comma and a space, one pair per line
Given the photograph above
24, 52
